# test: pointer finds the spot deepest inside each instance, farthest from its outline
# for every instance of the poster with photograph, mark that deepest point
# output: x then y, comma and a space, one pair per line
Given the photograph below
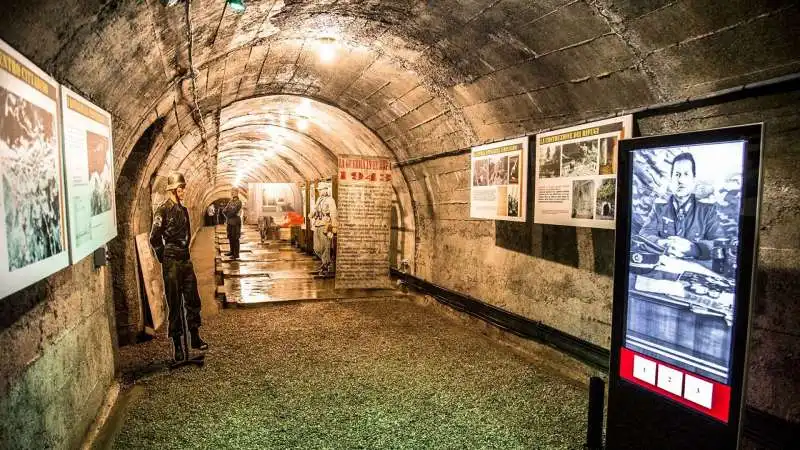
576, 172
89, 164
33, 241
498, 180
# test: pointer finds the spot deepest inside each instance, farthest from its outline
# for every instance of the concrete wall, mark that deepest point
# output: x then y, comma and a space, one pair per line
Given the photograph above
57, 347
562, 276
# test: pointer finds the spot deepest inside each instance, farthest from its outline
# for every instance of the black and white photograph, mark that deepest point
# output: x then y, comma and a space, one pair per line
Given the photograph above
550, 161
582, 199
513, 201
608, 156
29, 166
513, 169
101, 178
480, 172
684, 248
498, 169
605, 203
579, 159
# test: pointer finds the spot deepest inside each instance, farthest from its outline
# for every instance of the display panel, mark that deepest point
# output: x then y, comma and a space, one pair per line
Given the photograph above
364, 206
89, 164
686, 244
33, 227
576, 173
499, 174
684, 251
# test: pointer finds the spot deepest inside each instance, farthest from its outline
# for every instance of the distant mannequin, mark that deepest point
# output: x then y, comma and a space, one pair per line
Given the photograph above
233, 222
325, 222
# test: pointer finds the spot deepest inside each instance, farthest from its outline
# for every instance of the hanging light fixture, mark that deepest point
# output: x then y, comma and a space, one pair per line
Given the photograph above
237, 5
327, 49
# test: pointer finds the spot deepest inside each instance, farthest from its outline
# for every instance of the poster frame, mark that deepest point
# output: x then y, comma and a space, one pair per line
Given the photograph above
522, 182
77, 253
566, 136
20, 69
639, 414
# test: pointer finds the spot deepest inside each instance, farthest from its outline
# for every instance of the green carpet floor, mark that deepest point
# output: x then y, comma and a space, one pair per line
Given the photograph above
366, 374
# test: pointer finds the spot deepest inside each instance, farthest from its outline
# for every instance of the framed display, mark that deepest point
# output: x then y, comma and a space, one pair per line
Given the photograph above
686, 248
499, 174
33, 239
576, 173
89, 164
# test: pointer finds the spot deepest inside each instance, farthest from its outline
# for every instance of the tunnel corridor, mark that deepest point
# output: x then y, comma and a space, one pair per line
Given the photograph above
490, 329
361, 369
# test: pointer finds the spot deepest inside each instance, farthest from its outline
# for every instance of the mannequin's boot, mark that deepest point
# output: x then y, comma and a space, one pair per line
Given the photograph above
177, 344
197, 343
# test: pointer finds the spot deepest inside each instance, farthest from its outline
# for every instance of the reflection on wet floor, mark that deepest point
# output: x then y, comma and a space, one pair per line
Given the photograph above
275, 271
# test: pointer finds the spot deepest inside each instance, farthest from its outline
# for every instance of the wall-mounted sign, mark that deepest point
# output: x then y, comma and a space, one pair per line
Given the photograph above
88, 159
498, 180
33, 232
686, 246
576, 171
364, 204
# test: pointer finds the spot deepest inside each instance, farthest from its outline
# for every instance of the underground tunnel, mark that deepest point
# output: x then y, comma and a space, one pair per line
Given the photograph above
422, 312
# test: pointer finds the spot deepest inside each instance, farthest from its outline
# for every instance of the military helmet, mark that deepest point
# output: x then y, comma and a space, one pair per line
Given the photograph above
175, 180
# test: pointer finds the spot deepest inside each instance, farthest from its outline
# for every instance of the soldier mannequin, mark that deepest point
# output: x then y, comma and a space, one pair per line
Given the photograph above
325, 222
233, 222
169, 237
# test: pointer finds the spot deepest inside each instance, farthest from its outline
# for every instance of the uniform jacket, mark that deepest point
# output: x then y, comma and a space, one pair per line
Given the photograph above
325, 212
171, 232
695, 221
231, 212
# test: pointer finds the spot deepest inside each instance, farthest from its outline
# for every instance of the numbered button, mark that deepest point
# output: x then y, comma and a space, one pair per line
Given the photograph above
644, 369
698, 391
670, 380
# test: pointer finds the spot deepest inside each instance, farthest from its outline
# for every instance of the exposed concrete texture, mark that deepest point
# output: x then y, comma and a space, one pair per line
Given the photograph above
425, 78
58, 359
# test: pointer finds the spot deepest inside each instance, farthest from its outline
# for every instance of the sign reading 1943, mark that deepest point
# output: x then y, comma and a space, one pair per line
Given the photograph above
364, 170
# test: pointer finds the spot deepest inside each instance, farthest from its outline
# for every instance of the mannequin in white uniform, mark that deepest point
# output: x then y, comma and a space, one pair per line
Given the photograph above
325, 225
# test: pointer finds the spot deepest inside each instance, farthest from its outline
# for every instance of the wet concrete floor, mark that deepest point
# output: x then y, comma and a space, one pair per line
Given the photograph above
275, 271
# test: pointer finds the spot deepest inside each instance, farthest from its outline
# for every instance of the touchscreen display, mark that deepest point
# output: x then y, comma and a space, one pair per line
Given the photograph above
682, 273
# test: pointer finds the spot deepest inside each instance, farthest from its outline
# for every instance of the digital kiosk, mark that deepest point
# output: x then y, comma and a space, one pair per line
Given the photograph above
686, 248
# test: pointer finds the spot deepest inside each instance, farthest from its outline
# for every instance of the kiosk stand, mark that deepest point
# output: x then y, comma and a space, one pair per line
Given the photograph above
686, 247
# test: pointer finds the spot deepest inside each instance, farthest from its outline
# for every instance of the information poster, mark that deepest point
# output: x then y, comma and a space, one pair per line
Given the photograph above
499, 179
33, 241
576, 173
364, 206
88, 157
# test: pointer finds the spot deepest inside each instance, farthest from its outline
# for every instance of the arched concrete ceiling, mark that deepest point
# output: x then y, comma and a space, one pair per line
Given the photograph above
424, 76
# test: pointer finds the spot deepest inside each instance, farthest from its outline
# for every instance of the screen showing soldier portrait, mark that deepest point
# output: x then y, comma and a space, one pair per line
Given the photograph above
683, 255
100, 172
29, 166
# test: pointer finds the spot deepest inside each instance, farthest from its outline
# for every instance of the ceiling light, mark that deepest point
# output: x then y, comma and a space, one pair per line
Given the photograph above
170, 2
237, 5
302, 124
327, 49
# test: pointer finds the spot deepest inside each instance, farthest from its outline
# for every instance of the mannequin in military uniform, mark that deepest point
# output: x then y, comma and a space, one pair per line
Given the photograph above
233, 222
169, 237
325, 222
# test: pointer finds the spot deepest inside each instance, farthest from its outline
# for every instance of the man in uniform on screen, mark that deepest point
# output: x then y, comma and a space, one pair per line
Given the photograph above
683, 226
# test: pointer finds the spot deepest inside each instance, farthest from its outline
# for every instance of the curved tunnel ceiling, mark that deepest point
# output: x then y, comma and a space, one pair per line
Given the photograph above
425, 76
